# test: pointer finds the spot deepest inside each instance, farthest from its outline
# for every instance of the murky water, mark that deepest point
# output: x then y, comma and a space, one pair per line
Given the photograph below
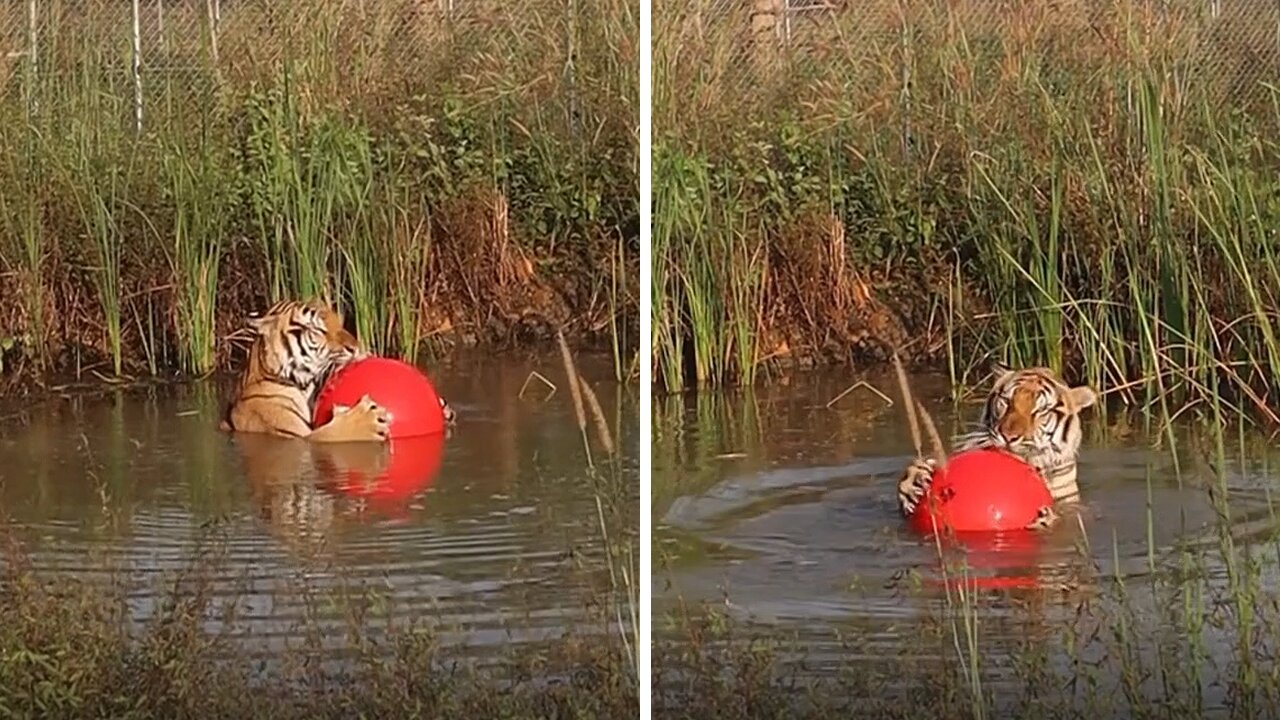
780, 511
490, 533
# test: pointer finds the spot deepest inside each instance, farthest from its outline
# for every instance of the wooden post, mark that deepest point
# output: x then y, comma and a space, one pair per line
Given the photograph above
766, 18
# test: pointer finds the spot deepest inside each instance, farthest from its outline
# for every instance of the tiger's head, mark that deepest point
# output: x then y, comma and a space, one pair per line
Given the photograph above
299, 343
1033, 414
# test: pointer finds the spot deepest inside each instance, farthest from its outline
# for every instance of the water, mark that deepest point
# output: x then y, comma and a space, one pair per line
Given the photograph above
491, 534
781, 512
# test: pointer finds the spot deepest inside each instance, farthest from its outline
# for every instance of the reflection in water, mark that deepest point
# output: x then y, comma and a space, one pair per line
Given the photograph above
381, 477
780, 509
301, 487
486, 532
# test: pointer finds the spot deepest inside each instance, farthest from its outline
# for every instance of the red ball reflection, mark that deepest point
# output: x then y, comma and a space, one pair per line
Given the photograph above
990, 560
387, 477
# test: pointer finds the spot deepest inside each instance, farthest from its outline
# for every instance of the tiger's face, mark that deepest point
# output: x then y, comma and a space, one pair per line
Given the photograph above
301, 342
1033, 414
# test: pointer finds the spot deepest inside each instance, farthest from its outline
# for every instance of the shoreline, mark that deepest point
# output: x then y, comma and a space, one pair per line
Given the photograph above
34, 385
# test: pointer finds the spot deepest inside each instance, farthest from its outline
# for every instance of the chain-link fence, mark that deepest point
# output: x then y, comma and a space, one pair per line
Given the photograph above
1232, 44
140, 51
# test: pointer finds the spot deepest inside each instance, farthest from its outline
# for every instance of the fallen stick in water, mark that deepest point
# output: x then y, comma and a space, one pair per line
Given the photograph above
913, 422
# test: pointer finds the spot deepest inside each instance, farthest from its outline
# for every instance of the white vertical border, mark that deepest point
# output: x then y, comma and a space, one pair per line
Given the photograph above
646, 355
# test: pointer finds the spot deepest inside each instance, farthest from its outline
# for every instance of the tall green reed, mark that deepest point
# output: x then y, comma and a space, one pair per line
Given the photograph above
1102, 203
410, 249
199, 187
708, 286
365, 251
23, 224
305, 176
310, 115
97, 183
668, 303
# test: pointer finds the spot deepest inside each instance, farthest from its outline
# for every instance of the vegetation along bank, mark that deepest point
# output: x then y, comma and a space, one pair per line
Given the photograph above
446, 176
1054, 184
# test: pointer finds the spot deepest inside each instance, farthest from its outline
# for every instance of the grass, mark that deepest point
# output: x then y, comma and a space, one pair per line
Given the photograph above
369, 153
198, 184
1185, 631
1049, 187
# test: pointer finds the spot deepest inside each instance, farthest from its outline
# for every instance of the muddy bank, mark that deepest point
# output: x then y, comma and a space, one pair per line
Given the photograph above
480, 290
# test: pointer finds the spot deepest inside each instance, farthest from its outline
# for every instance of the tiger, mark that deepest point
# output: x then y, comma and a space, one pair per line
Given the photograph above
1031, 413
296, 345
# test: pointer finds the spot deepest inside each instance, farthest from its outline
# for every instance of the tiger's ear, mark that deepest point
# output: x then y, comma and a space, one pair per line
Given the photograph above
1082, 397
999, 370
318, 303
256, 321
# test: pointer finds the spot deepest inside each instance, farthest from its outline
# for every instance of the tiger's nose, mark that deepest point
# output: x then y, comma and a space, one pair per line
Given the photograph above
1010, 434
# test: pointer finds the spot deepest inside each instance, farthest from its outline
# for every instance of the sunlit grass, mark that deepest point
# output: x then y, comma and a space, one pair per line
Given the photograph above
1097, 207
318, 150
199, 187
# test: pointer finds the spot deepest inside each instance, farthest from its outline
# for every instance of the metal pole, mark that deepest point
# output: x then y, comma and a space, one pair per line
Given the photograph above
211, 8
33, 58
137, 68
908, 59
571, 70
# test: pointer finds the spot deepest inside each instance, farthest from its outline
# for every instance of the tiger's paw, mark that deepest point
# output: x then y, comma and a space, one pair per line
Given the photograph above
1045, 519
450, 417
365, 421
914, 484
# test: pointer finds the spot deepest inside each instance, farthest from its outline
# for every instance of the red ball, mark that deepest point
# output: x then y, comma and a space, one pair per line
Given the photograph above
982, 490
396, 385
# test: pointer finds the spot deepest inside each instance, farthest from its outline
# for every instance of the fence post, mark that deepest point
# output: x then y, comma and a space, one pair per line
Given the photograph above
571, 67
908, 60
212, 11
137, 68
766, 25
33, 59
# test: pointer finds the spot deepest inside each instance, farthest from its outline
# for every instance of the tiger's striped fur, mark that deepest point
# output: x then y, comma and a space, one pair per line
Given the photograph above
296, 345
1032, 414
